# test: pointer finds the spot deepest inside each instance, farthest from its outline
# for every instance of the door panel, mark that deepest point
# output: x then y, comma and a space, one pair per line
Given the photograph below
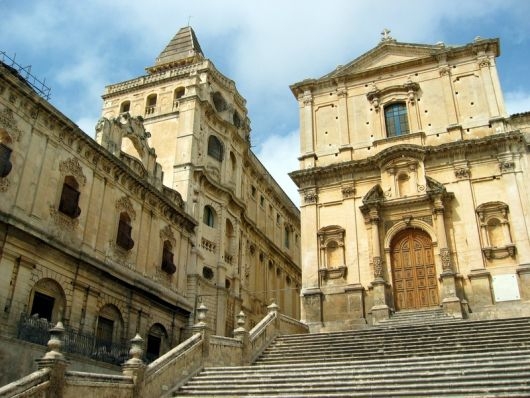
413, 270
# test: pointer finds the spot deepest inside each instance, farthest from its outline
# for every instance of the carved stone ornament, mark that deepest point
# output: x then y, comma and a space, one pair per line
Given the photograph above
4, 184
310, 196
484, 62
332, 273
462, 172
72, 167
167, 234
378, 268
507, 166
445, 255
9, 124
444, 70
63, 220
495, 253
348, 191
307, 98
124, 204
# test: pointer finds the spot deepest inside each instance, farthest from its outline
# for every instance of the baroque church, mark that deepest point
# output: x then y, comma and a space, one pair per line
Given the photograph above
166, 210
413, 187
166, 226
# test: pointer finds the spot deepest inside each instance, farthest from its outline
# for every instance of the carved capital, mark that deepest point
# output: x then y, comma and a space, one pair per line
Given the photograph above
445, 256
348, 191
444, 70
310, 196
462, 172
378, 267
507, 166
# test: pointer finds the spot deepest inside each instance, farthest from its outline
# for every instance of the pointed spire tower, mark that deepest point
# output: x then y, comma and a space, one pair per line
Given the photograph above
183, 48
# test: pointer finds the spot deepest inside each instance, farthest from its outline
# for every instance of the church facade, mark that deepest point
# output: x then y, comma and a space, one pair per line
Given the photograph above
413, 185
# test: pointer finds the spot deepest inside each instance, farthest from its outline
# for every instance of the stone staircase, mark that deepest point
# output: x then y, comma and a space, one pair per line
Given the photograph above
431, 356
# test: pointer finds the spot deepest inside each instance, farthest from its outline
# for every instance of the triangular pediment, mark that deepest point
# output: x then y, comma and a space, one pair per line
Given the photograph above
385, 54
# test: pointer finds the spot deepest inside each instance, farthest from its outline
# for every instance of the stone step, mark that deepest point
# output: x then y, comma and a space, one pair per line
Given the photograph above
382, 362
400, 339
381, 346
461, 387
398, 372
476, 326
460, 358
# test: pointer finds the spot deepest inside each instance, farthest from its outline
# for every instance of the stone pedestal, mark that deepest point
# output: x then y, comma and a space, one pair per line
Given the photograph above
380, 310
450, 302
480, 280
524, 281
312, 307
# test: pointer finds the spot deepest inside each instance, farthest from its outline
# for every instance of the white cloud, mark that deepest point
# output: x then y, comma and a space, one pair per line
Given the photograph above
517, 102
279, 156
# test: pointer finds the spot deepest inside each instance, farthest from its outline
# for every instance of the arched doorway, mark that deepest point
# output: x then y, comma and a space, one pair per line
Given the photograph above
413, 270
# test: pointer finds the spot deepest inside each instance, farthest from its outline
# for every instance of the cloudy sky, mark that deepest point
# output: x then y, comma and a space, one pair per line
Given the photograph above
79, 47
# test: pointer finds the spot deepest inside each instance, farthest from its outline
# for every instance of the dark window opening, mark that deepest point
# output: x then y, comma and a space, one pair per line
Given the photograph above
207, 272
42, 305
152, 351
5, 164
125, 106
124, 239
167, 259
208, 216
215, 148
70, 198
104, 332
396, 120
219, 102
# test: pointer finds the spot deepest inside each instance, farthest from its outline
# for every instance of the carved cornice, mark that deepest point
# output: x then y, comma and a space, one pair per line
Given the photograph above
124, 205
8, 124
72, 167
462, 148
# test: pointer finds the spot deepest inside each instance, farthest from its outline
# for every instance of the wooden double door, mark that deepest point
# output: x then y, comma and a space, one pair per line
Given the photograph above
413, 270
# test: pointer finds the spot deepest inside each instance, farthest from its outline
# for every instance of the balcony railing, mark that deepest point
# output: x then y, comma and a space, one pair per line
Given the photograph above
36, 330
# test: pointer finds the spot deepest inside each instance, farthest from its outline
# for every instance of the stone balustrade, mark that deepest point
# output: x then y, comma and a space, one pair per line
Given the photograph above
160, 377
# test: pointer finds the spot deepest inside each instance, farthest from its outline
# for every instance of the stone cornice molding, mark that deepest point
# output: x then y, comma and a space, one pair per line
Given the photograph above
309, 177
65, 133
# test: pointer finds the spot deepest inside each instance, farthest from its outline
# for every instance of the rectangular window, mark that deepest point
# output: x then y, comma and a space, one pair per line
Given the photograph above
396, 120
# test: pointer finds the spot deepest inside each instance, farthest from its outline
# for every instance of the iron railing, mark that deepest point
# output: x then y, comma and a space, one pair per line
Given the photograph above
36, 330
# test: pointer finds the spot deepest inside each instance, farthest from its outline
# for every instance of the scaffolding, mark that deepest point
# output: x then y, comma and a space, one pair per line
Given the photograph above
25, 72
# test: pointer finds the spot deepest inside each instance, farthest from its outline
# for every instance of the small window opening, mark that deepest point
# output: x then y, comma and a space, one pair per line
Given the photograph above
5, 164
124, 239
69, 203
167, 258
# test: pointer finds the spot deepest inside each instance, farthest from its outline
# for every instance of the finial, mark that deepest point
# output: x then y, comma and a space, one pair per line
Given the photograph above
386, 35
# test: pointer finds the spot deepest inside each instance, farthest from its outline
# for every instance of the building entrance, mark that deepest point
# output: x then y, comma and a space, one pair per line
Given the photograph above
413, 270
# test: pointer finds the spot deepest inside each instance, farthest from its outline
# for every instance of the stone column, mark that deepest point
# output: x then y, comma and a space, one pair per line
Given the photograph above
306, 123
450, 302
380, 309
55, 361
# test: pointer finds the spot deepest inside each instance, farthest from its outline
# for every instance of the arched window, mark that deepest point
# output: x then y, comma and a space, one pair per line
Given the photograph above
108, 329
49, 300
69, 202
125, 106
215, 148
219, 102
156, 342
179, 92
167, 258
287, 237
123, 239
150, 104
208, 216
396, 120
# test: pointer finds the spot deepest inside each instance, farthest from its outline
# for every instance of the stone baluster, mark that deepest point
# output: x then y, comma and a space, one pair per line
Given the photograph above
55, 361
135, 366
241, 334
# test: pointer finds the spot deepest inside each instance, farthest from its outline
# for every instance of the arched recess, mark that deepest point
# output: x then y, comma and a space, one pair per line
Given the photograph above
157, 342
48, 300
413, 270
109, 327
